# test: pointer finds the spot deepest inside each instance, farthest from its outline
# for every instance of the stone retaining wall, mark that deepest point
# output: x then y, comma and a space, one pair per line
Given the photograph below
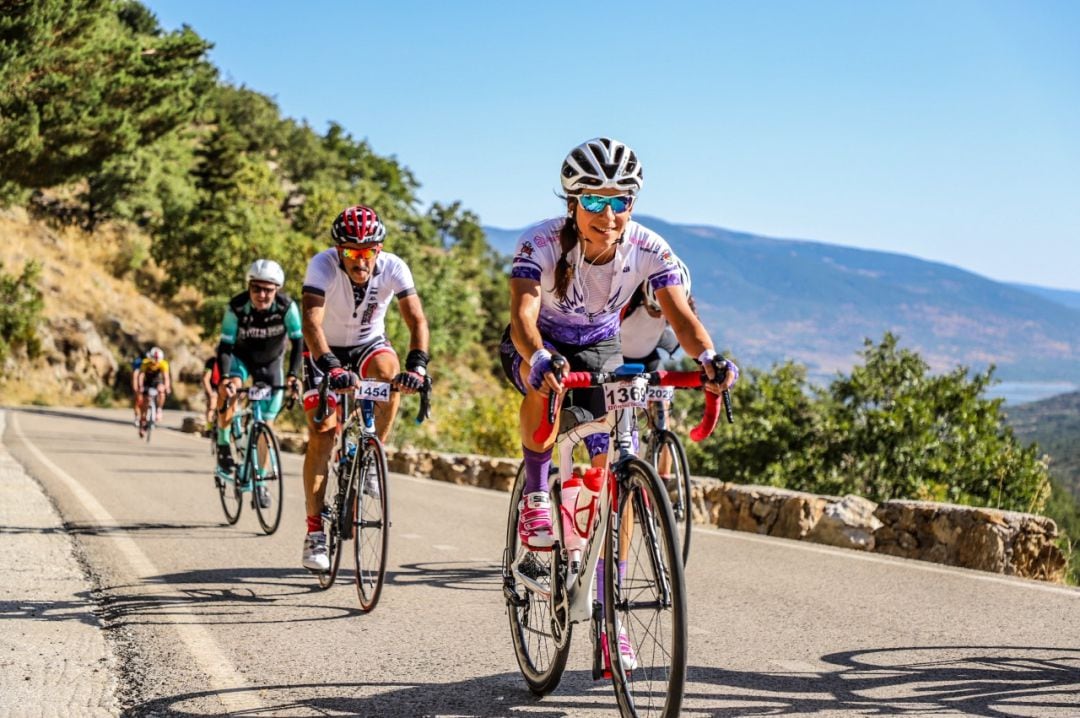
969, 537
985, 539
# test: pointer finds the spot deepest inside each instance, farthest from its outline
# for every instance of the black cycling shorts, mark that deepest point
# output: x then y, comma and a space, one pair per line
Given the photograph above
605, 355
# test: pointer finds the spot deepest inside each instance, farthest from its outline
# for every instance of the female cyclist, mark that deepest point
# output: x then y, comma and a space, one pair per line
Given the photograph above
570, 278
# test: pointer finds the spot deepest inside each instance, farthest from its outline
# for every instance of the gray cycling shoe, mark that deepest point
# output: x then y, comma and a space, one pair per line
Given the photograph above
316, 557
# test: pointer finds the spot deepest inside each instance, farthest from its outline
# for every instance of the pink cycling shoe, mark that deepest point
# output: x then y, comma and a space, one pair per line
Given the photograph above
534, 521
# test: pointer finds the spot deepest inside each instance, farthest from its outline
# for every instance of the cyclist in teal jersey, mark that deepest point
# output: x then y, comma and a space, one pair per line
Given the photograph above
257, 325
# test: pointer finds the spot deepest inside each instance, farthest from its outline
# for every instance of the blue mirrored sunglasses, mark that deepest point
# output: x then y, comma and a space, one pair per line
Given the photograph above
595, 203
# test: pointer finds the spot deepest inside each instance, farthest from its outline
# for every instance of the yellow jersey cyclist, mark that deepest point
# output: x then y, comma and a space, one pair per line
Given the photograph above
347, 291
152, 371
570, 277
258, 325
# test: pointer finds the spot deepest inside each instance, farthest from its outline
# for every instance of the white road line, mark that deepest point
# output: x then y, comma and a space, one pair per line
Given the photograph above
443, 547
235, 693
889, 561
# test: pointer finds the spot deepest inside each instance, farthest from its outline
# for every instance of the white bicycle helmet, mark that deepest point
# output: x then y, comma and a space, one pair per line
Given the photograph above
601, 163
155, 354
650, 293
266, 270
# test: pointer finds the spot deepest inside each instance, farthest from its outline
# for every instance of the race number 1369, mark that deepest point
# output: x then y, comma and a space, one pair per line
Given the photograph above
623, 395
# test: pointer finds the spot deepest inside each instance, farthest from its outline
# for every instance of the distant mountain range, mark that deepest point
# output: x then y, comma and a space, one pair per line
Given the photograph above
768, 300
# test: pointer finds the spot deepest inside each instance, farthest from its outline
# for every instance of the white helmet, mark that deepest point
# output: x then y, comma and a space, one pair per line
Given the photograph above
156, 354
601, 163
650, 293
266, 270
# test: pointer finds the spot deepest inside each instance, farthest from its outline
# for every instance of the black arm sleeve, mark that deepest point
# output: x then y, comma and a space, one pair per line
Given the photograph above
224, 358
295, 353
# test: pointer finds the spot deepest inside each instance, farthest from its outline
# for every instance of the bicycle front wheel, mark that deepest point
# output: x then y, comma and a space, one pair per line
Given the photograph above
645, 602
371, 522
265, 460
678, 485
541, 642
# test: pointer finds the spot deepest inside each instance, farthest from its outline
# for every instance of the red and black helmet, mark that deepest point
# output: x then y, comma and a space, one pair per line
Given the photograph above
358, 225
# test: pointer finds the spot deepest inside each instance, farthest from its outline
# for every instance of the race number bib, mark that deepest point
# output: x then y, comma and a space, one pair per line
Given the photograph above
258, 393
624, 395
660, 393
373, 390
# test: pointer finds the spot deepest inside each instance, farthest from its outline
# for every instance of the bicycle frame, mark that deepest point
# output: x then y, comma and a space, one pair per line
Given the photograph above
579, 583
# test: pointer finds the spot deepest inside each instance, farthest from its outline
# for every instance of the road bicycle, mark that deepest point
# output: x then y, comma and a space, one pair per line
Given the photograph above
359, 505
257, 470
548, 592
659, 441
150, 395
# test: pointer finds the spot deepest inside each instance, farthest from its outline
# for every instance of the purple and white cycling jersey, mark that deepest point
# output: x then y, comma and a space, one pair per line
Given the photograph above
582, 318
356, 315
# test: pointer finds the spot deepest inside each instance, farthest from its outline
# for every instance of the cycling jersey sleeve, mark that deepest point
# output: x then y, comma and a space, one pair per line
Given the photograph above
296, 335
229, 328
320, 273
401, 279
662, 267
528, 258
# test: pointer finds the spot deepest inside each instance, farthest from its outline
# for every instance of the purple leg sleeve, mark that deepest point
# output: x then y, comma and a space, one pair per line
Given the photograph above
600, 582
537, 465
597, 444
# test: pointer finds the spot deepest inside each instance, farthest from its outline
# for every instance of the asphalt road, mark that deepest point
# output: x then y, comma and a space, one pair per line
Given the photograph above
206, 619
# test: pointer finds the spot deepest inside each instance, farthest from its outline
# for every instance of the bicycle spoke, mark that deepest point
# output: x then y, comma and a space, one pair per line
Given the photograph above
371, 516
540, 655
650, 606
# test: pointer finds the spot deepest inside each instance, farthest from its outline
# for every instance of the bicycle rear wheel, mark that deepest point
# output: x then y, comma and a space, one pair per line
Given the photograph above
540, 643
151, 419
678, 487
269, 484
645, 607
371, 522
231, 495
333, 549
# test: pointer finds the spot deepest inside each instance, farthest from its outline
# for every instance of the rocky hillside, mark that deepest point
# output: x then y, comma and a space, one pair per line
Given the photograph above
95, 317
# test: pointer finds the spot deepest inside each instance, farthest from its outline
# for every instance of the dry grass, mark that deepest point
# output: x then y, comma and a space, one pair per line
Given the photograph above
77, 284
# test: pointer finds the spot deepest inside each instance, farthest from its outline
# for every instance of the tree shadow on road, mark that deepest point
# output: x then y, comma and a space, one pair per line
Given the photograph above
990, 681
494, 696
250, 596
459, 575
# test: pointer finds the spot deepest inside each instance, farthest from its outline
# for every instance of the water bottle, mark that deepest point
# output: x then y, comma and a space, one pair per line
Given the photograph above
585, 505
573, 541
345, 462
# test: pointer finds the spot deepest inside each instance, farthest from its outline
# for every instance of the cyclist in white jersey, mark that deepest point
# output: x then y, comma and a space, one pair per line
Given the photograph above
347, 291
645, 332
570, 278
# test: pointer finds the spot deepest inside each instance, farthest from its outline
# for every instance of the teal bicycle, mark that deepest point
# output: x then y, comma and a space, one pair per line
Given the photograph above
258, 468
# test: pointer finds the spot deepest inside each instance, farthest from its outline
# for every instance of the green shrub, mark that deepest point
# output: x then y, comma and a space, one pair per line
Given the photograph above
21, 303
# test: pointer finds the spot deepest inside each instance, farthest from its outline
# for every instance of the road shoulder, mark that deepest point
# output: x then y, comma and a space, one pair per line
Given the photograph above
54, 659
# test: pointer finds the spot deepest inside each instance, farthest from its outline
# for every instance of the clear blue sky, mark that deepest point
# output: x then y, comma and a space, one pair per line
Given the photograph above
945, 130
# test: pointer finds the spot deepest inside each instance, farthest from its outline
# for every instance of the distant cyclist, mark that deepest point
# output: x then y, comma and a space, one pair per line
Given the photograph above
570, 278
153, 372
258, 325
645, 332
211, 379
135, 364
347, 291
